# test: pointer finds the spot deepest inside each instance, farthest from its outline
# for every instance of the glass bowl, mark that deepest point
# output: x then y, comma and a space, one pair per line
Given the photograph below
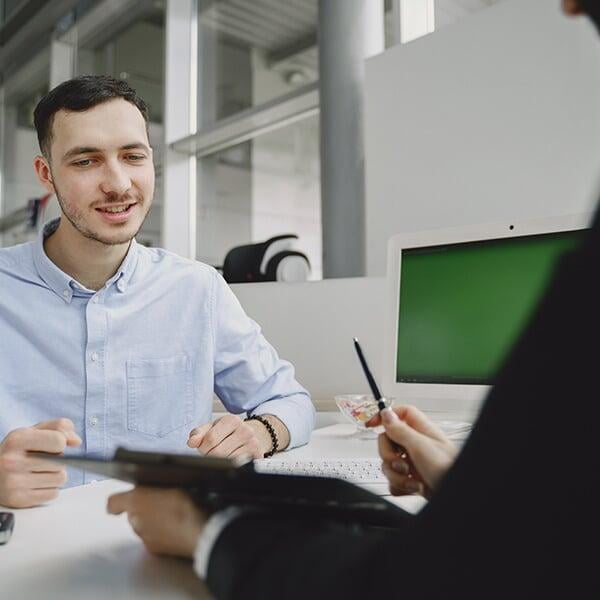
360, 408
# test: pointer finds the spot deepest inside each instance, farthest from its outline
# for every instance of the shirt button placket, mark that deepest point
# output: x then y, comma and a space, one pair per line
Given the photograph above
95, 378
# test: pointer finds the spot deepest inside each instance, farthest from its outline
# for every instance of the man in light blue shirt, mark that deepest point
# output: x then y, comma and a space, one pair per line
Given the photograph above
105, 342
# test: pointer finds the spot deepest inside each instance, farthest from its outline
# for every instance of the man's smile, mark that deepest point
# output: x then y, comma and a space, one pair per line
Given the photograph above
117, 213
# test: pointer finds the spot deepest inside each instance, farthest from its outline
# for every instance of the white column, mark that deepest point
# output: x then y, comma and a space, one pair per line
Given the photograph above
417, 18
179, 202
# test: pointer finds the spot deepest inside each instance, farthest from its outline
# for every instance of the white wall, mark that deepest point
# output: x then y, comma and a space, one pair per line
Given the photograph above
495, 117
312, 324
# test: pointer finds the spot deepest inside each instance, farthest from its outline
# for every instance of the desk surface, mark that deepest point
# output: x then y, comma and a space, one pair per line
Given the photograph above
72, 548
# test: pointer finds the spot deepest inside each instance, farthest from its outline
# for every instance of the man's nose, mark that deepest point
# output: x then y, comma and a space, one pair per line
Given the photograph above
115, 179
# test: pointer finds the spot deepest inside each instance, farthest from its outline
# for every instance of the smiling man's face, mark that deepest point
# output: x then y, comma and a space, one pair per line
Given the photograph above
100, 167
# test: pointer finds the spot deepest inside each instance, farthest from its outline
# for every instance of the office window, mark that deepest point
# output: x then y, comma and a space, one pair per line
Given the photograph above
136, 55
253, 57
253, 52
8, 8
133, 51
264, 187
18, 143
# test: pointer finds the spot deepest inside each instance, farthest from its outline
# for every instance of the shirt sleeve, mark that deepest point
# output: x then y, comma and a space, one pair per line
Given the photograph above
211, 532
249, 375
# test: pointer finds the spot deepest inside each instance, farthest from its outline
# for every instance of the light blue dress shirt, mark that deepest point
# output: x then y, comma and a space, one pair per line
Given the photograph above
136, 363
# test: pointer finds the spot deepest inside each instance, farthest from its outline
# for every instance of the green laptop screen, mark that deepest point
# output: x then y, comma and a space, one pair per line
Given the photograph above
462, 306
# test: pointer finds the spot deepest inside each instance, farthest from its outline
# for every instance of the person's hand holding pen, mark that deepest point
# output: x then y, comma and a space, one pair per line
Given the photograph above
416, 453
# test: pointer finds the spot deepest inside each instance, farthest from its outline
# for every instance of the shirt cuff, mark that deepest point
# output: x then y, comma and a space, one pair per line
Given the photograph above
296, 412
208, 538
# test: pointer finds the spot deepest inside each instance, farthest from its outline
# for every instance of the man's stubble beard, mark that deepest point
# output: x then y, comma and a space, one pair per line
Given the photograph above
77, 220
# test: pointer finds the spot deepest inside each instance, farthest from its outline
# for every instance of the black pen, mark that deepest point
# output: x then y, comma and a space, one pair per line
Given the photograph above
376, 392
369, 376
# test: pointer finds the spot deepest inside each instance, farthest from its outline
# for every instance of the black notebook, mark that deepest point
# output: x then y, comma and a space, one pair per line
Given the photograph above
219, 482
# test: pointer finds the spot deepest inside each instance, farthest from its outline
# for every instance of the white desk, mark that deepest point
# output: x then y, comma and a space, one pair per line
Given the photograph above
72, 548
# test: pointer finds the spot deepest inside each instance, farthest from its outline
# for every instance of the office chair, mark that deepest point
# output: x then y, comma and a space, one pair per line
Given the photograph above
273, 260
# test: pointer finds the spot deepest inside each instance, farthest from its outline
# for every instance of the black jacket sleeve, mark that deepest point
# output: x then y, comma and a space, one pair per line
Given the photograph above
512, 518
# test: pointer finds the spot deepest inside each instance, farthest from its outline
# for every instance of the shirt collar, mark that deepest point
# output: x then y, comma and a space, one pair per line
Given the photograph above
127, 268
61, 283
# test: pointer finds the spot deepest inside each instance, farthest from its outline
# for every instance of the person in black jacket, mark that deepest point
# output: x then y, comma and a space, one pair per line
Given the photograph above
514, 515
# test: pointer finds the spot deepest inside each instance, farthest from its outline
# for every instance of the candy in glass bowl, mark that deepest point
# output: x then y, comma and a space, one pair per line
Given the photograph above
360, 408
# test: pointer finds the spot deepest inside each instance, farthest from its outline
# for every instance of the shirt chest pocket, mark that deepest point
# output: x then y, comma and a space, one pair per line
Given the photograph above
159, 394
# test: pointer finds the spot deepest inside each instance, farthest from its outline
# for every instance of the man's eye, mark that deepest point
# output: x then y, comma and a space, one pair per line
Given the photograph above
136, 157
86, 162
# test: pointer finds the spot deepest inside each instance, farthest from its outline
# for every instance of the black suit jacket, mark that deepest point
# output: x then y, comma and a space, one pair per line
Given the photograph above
515, 517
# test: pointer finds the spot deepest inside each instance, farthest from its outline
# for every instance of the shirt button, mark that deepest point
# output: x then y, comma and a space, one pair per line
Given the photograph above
95, 299
94, 356
66, 293
94, 421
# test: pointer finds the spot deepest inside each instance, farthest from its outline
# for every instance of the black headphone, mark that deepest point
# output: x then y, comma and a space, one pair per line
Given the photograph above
273, 260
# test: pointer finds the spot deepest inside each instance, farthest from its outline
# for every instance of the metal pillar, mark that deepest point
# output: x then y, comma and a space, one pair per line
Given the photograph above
349, 32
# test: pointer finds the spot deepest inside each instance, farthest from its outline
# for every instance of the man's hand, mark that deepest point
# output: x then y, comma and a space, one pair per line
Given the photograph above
229, 436
26, 481
416, 453
167, 521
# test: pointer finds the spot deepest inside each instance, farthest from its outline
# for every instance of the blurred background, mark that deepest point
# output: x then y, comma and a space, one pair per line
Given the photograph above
244, 133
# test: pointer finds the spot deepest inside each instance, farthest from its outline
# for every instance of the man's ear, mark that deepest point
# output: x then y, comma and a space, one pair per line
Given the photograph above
43, 173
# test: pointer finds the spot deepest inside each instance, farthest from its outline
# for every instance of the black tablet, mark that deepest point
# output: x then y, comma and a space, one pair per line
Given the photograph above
219, 482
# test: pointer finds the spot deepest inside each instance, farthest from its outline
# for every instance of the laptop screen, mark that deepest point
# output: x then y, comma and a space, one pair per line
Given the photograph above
462, 306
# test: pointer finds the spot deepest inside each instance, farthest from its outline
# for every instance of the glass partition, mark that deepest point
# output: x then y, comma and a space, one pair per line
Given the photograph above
261, 188
255, 62
253, 52
131, 47
18, 183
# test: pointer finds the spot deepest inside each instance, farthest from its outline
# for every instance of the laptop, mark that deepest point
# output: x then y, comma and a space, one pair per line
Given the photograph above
457, 302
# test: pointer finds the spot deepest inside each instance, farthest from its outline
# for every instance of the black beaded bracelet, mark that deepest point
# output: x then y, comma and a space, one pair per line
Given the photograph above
271, 431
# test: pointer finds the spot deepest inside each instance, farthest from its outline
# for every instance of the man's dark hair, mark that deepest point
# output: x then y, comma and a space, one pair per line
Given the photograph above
80, 94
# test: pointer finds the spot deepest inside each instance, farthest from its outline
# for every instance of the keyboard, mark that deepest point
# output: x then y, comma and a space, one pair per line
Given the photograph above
365, 472
455, 430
